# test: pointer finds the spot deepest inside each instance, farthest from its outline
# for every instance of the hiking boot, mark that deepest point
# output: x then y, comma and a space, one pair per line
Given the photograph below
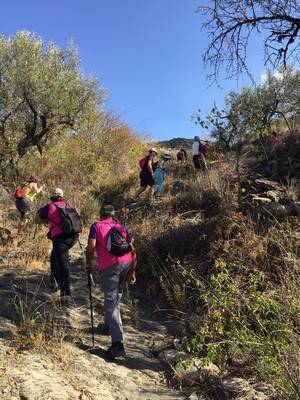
115, 350
66, 301
131, 201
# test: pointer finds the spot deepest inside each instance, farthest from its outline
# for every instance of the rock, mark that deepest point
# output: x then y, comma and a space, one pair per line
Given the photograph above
267, 184
253, 395
195, 372
172, 356
5, 236
261, 200
273, 195
159, 347
193, 396
236, 385
189, 375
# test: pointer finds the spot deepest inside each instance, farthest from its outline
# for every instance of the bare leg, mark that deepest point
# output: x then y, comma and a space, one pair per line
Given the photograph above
151, 192
141, 190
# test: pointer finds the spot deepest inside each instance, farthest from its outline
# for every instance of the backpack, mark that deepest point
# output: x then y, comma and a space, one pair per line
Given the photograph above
154, 166
21, 191
70, 220
142, 162
117, 244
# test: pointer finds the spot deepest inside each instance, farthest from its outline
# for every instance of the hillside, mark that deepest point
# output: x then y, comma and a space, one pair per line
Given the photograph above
217, 297
176, 143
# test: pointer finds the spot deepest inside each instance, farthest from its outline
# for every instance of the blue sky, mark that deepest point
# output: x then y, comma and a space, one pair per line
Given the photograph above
146, 52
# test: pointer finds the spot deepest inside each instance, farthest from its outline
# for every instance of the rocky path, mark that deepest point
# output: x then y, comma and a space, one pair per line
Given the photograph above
67, 368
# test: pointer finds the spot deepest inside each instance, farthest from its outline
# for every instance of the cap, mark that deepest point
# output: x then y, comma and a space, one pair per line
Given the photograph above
166, 156
196, 139
57, 192
107, 211
153, 150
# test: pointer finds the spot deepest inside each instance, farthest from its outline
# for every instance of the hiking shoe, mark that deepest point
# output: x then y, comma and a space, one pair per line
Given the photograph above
66, 301
115, 350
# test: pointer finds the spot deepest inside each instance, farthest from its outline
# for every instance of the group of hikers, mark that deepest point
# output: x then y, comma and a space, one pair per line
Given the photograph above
109, 239
153, 171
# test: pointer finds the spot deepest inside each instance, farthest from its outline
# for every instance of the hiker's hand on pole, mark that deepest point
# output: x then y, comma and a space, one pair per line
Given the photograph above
131, 279
88, 268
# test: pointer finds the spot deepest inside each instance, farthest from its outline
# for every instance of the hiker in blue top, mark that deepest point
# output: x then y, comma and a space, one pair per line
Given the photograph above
159, 174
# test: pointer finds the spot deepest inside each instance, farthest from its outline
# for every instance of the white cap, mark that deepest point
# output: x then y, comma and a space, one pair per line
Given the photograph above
153, 150
57, 192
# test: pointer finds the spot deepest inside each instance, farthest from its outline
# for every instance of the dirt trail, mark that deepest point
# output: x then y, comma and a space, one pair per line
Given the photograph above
71, 369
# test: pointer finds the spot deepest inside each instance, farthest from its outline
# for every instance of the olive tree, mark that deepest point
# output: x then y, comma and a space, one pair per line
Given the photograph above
231, 24
43, 95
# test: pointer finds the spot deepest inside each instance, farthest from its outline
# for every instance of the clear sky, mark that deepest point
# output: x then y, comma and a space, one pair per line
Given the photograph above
146, 52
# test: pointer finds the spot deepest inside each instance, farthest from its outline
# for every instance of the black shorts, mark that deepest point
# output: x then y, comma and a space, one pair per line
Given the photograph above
146, 179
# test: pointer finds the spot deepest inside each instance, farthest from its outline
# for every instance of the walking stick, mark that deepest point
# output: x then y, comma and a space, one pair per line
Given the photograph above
90, 283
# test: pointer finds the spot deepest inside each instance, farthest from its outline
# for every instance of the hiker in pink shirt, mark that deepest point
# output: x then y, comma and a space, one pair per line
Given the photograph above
115, 270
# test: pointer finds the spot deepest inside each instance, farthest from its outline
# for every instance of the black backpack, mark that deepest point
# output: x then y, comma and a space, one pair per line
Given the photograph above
70, 220
117, 244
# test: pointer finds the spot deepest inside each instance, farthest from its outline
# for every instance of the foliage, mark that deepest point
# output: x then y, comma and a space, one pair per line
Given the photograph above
43, 94
252, 112
90, 167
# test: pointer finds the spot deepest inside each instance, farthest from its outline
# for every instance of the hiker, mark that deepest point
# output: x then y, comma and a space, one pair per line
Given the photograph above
62, 240
147, 173
160, 173
276, 142
115, 270
182, 156
198, 158
26, 194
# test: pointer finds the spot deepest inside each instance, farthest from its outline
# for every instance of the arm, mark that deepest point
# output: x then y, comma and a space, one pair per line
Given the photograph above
149, 166
38, 220
131, 278
35, 187
42, 215
90, 253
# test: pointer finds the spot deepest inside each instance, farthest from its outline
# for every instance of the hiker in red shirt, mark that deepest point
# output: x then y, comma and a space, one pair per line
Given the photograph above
115, 270
25, 195
147, 173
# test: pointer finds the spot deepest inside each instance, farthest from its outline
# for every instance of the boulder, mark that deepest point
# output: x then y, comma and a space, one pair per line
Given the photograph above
261, 200
273, 195
266, 184
236, 385
196, 372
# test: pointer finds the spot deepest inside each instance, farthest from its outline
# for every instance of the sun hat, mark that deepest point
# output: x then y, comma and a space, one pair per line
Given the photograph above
166, 156
153, 150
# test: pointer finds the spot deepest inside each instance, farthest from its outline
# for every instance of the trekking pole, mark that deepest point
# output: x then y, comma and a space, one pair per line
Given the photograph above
90, 283
35, 232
